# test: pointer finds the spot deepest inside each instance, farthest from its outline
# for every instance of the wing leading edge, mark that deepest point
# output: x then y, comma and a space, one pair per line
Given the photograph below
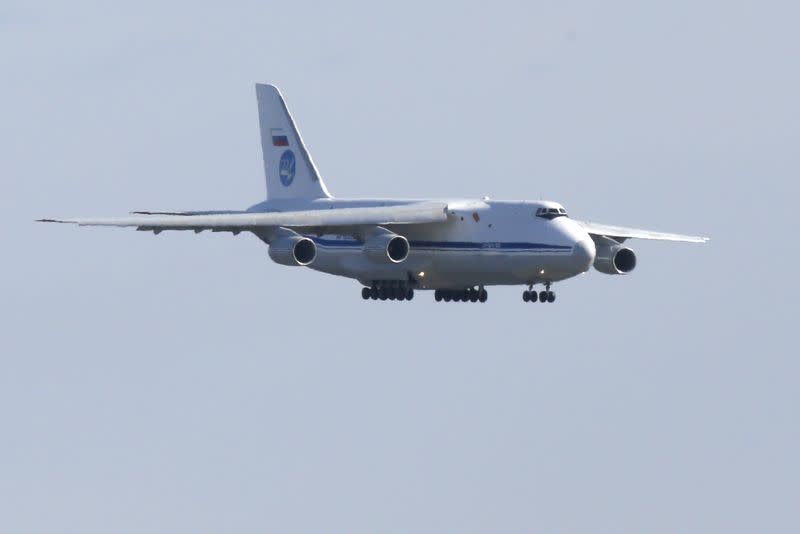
418, 213
621, 233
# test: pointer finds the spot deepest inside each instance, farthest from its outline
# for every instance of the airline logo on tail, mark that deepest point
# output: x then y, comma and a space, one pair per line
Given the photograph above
286, 167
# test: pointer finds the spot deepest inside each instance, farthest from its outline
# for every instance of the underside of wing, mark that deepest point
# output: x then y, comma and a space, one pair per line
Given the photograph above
621, 233
417, 213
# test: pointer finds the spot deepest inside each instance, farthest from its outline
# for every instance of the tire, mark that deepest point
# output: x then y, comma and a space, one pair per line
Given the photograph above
543, 296
551, 297
447, 296
373, 293
365, 293
534, 296
437, 296
482, 295
526, 296
473, 295
409, 294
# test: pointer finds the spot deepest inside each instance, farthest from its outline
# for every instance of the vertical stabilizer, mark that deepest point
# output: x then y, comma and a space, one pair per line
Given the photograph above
289, 169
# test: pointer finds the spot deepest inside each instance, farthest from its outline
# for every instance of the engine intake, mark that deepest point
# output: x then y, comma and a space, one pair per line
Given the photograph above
613, 258
387, 247
293, 250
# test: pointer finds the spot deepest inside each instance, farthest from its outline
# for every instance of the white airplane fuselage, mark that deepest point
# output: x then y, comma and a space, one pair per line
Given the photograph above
483, 242
393, 247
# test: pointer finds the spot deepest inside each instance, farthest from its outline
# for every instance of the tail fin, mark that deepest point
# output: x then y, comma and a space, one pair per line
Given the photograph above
288, 166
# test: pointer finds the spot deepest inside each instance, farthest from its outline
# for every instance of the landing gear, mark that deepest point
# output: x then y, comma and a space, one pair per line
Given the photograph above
470, 294
391, 290
529, 295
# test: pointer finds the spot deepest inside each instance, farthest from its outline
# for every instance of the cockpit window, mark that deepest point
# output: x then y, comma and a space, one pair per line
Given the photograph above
551, 213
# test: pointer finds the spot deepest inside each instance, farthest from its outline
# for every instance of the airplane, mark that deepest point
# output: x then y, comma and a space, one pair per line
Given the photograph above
454, 247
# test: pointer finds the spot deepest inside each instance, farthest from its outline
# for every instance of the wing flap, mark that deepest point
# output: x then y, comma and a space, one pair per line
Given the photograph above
623, 232
417, 213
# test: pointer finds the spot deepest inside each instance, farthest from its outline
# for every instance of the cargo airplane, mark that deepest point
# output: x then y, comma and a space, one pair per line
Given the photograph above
455, 247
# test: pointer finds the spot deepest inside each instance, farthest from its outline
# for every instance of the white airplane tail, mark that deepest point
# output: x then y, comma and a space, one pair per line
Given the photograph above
289, 169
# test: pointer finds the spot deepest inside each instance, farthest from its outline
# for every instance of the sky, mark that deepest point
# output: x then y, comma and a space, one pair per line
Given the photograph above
186, 383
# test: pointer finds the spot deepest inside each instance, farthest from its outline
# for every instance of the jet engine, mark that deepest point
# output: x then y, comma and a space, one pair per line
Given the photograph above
387, 247
293, 250
612, 257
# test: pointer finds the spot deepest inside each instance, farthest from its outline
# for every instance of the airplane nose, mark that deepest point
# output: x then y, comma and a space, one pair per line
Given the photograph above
583, 253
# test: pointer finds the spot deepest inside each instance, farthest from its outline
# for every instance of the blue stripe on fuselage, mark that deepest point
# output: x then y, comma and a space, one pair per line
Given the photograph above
451, 245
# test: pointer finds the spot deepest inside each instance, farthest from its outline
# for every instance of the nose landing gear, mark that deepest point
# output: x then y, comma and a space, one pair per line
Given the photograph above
529, 295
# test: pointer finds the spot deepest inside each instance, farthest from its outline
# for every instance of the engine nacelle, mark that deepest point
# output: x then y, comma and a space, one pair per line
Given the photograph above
387, 247
613, 258
293, 250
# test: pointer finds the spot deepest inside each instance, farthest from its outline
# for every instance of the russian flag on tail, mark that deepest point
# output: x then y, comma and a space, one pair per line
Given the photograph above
279, 138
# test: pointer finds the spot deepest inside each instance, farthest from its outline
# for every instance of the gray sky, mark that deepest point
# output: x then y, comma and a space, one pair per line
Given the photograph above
184, 383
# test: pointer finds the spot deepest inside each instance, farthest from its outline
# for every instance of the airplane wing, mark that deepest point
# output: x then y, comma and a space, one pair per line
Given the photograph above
417, 213
620, 233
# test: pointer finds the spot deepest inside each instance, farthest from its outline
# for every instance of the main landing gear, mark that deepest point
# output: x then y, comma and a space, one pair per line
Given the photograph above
529, 295
387, 291
461, 295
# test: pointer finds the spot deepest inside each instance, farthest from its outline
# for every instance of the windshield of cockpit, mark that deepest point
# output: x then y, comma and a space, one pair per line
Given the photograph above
551, 213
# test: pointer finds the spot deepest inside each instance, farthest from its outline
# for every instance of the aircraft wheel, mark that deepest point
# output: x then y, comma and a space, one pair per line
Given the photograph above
409, 294
526, 295
365, 294
382, 294
473, 296
543, 296
534, 296
447, 297
551, 297
401, 294
482, 295
437, 296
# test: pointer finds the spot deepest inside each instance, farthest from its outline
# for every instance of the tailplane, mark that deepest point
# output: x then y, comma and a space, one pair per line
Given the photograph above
289, 169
